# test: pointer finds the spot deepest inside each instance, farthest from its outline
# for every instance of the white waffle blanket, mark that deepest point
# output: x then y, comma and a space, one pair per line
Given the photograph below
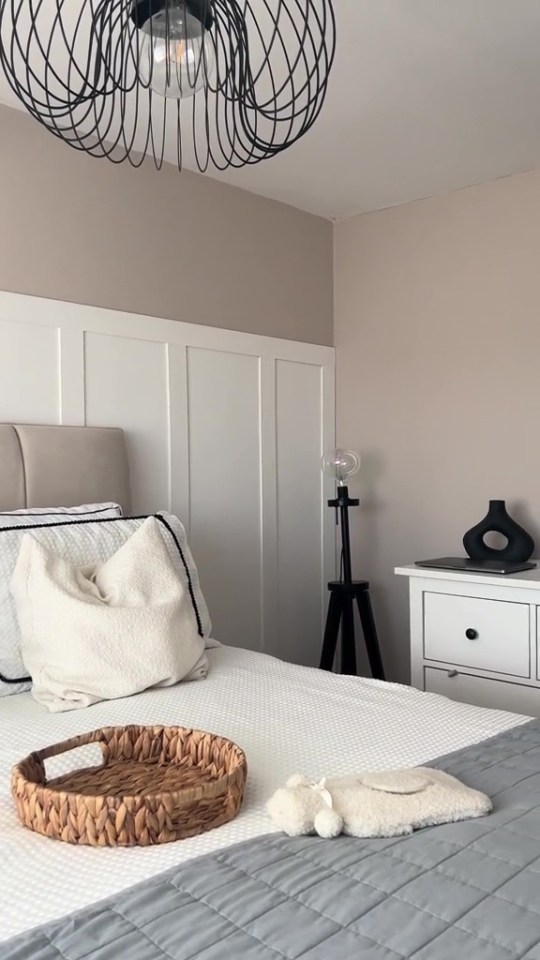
287, 719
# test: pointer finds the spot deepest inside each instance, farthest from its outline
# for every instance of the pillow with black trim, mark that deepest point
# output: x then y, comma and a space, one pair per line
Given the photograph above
85, 541
28, 515
105, 630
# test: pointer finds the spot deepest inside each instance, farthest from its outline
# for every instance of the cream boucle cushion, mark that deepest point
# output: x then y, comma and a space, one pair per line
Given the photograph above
108, 630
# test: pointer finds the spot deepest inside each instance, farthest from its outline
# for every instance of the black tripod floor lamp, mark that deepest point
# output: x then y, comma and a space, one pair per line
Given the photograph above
345, 592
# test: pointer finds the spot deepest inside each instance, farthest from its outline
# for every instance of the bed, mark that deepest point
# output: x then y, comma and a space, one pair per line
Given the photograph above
288, 719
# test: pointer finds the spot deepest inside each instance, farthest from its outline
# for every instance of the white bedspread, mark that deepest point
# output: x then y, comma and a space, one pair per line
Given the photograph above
288, 720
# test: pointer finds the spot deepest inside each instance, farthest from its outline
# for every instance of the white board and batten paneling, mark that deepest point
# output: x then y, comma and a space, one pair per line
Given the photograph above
225, 429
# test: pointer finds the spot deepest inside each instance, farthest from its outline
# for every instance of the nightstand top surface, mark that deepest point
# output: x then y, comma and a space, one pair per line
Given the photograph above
527, 579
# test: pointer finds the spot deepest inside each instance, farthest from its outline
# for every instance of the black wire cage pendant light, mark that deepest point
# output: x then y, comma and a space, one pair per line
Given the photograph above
222, 82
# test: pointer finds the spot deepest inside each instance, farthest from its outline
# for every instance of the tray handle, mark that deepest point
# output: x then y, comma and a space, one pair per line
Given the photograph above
38, 757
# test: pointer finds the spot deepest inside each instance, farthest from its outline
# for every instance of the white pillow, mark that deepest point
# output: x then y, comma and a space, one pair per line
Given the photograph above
82, 542
107, 630
10, 661
22, 518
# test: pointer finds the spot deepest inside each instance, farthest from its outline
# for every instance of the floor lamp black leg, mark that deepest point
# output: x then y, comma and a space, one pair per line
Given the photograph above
348, 643
331, 632
370, 634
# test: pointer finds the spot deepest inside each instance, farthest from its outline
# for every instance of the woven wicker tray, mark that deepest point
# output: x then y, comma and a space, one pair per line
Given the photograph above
156, 784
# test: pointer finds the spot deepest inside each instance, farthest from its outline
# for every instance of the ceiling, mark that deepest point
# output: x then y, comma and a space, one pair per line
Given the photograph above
426, 96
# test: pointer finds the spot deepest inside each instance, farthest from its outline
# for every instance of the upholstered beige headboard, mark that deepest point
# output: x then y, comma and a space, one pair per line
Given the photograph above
42, 466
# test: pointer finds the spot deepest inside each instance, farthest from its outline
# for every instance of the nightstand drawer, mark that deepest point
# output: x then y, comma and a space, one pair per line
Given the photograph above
489, 635
494, 694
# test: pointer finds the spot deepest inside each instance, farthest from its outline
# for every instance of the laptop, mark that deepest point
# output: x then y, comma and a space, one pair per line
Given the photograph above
503, 567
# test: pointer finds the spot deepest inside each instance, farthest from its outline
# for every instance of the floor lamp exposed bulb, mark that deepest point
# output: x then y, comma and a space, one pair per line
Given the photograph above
340, 465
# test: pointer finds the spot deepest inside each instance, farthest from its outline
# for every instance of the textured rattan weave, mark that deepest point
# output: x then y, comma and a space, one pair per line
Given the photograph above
156, 784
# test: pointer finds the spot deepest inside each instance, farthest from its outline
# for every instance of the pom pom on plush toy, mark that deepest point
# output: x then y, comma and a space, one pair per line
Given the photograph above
328, 823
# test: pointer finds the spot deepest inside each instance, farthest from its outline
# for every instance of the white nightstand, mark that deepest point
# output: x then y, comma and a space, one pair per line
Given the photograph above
476, 637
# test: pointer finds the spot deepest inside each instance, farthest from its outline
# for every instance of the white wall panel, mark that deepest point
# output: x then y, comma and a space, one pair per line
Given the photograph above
225, 485
300, 510
224, 428
269, 508
29, 373
179, 433
126, 385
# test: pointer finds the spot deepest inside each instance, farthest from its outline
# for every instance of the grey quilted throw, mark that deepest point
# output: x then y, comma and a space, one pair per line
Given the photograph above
465, 891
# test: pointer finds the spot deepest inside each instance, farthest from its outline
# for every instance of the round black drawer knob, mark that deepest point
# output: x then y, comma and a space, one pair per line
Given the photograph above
471, 634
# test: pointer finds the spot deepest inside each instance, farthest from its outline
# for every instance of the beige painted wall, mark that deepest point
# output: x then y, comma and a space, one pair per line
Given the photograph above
437, 328
183, 247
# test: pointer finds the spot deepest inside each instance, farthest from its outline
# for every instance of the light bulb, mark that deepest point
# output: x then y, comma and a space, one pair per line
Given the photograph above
340, 465
176, 54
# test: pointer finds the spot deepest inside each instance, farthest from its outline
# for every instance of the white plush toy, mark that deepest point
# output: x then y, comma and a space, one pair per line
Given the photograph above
388, 803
